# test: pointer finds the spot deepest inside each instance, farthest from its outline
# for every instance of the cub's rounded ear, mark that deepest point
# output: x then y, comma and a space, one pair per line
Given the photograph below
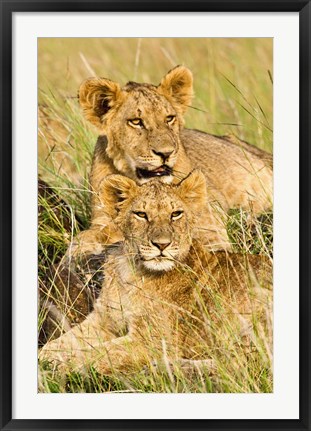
177, 85
193, 189
97, 96
115, 190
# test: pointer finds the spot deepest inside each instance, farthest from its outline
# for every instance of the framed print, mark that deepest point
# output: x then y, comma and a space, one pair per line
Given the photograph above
155, 215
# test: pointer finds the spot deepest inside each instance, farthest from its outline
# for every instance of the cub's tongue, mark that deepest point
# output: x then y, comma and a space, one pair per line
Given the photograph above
159, 170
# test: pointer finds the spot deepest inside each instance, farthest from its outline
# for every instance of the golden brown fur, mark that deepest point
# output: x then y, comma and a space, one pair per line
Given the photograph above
162, 289
142, 136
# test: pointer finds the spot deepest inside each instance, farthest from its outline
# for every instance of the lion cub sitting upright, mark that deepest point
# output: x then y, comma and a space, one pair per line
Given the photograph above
161, 286
142, 137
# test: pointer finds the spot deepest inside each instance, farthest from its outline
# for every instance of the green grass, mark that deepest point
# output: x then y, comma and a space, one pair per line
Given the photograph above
233, 95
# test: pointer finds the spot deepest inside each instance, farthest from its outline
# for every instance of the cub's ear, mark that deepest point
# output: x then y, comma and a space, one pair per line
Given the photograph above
176, 85
193, 190
115, 190
97, 96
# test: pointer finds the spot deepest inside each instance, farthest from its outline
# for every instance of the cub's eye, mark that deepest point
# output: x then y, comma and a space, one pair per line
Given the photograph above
170, 119
176, 215
140, 214
136, 122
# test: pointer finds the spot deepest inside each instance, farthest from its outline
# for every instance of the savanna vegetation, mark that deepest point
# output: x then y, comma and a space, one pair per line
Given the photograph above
233, 88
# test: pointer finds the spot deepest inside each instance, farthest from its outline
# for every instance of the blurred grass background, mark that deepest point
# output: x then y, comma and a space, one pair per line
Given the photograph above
233, 88
232, 77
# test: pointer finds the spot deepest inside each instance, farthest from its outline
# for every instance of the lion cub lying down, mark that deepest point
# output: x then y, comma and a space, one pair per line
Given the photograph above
162, 289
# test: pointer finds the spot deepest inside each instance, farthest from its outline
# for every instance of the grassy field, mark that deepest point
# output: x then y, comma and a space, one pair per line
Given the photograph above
233, 87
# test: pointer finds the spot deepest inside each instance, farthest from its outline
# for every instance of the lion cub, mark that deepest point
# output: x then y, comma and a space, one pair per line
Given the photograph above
162, 288
142, 137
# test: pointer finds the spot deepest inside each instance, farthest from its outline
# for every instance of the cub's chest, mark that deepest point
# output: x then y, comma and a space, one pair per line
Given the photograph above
164, 294
135, 294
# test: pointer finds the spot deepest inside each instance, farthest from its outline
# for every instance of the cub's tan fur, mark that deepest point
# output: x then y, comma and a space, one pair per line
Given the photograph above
162, 289
142, 136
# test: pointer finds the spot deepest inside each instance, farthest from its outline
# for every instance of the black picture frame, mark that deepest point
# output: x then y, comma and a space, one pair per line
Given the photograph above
8, 7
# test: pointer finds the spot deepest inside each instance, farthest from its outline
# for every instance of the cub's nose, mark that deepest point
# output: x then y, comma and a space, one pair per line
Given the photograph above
161, 245
163, 154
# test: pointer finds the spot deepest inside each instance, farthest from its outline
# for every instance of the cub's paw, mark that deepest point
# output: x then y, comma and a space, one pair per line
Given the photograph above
84, 244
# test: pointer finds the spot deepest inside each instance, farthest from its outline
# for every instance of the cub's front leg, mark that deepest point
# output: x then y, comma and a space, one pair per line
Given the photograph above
102, 231
123, 354
80, 346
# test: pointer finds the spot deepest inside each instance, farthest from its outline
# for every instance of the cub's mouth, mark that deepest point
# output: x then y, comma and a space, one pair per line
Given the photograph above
160, 263
162, 171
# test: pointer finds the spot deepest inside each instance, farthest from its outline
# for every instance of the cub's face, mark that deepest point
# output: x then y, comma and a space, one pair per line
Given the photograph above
143, 135
157, 227
141, 121
156, 219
